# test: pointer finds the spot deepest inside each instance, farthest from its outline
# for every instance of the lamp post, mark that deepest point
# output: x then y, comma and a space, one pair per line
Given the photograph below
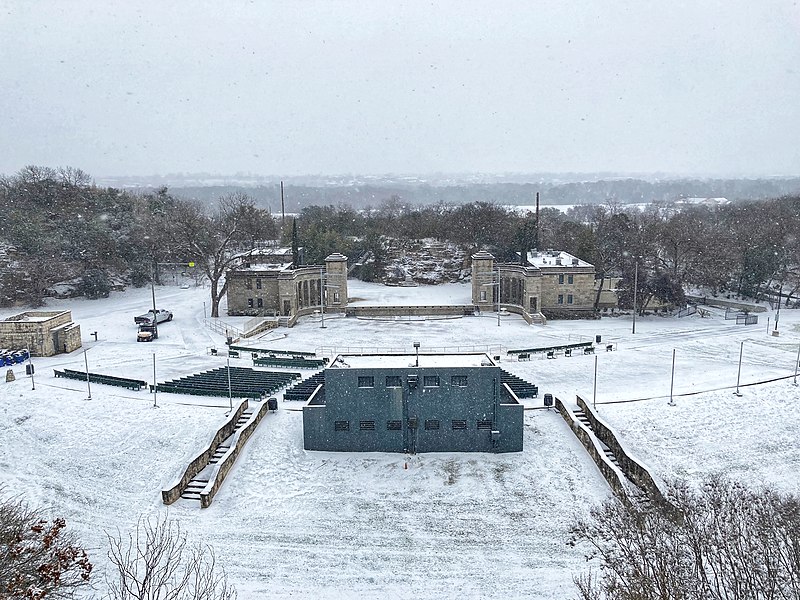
594, 388
155, 383
739, 373
778, 312
88, 385
230, 395
322, 287
635, 287
672, 379
796, 365
416, 347
498, 296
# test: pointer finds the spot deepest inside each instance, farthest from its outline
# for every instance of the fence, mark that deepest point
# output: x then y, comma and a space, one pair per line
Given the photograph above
367, 350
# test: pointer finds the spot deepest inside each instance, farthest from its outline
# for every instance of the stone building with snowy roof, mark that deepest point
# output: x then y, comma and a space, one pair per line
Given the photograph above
43, 333
550, 284
270, 284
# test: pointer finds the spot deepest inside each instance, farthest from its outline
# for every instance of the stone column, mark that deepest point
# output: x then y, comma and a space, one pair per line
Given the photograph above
336, 274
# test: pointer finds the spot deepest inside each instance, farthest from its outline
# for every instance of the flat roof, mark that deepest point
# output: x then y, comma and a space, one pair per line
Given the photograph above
550, 258
401, 361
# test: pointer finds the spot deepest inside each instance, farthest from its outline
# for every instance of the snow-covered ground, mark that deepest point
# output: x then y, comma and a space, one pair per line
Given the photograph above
290, 523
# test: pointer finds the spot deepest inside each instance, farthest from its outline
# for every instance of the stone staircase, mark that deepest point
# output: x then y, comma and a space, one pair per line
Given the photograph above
200, 481
629, 479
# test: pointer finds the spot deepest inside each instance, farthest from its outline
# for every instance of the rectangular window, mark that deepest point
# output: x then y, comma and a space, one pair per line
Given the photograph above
561, 278
569, 298
394, 381
561, 298
485, 425
258, 283
260, 303
336, 297
458, 380
394, 425
483, 295
430, 381
366, 382
249, 303
341, 426
366, 425
431, 424
570, 279
248, 283
459, 424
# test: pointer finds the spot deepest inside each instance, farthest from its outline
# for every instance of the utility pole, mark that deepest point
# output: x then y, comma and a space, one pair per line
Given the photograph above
672, 380
635, 287
283, 209
739, 373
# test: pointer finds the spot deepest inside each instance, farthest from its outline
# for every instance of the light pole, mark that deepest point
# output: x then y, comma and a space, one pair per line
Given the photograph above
778, 312
322, 296
230, 395
88, 385
739, 373
498, 296
416, 347
796, 365
155, 383
672, 379
594, 388
635, 287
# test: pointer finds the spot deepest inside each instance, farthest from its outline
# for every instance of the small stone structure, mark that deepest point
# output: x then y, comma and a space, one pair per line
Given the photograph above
43, 333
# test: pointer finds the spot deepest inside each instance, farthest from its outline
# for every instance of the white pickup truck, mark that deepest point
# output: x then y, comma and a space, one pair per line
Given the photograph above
161, 316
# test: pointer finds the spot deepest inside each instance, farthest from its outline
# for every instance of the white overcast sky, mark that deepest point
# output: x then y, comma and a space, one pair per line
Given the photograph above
313, 87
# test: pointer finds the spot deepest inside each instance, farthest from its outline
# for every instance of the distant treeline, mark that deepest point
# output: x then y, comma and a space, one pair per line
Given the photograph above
624, 191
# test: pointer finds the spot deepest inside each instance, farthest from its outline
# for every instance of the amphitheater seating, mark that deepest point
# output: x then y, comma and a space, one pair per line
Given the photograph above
297, 362
131, 384
244, 383
301, 392
519, 386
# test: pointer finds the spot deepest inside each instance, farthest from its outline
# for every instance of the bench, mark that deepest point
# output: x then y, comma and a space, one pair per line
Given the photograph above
609, 347
588, 350
131, 384
524, 356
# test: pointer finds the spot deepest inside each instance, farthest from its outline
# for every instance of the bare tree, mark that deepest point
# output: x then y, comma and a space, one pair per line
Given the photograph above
156, 562
39, 558
720, 542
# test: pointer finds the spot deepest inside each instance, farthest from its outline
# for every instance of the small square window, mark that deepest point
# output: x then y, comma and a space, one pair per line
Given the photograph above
483, 295
569, 298
366, 382
336, 297
394, 381
458, 380
366, 425
570, 279
341, 426
561, 298
459, 424
561, 278
431, 424
430, 381
394, 425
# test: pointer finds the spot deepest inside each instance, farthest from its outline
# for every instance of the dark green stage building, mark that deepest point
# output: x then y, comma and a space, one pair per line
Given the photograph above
409, 403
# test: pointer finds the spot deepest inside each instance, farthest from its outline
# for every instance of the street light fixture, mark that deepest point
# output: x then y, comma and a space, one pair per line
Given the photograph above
416, 347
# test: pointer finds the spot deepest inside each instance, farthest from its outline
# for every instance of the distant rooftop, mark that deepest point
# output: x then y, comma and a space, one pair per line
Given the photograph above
555, 258
398, 361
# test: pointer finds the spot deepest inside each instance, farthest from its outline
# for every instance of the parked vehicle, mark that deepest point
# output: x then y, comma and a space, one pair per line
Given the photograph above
147, 332
161, 316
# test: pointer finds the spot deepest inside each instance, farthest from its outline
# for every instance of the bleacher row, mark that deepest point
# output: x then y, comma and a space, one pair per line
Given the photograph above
244, 383
301, 392
519, 386
131, 384
281, 353
297, 362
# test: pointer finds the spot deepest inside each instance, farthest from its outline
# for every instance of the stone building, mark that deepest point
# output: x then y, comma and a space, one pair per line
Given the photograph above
271, 285
409, 403
43, 333
551, 284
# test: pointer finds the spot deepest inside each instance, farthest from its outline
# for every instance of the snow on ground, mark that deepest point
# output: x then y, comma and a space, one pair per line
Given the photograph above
291, 523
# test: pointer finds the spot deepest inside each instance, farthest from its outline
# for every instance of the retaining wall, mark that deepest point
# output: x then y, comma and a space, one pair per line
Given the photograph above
171, 494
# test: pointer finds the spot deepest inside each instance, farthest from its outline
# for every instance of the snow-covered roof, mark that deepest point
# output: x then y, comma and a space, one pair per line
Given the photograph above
397, 361
555, 258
